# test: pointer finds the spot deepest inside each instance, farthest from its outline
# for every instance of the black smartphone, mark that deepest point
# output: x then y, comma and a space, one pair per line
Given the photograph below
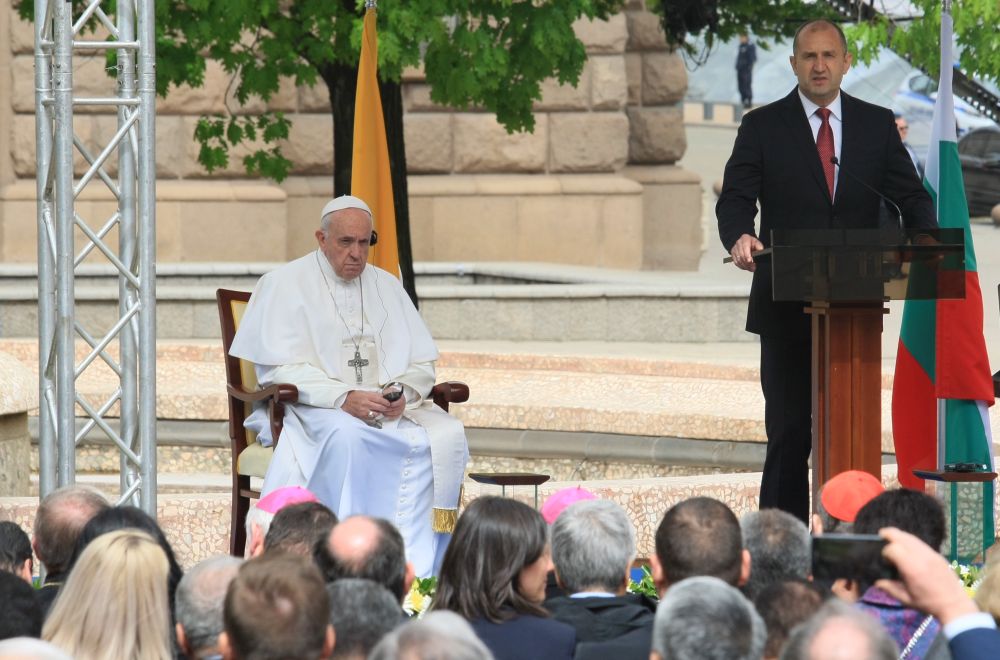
853, 556
392, 392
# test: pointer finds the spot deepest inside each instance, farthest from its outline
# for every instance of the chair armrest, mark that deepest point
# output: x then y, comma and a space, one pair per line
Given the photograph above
448, 392
276, 395
279, 392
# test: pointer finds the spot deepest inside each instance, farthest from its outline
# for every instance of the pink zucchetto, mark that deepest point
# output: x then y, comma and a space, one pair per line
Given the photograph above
559, 500
277, 500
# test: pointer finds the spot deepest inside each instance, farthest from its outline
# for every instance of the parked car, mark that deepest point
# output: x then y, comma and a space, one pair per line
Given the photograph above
979, 151
915, 100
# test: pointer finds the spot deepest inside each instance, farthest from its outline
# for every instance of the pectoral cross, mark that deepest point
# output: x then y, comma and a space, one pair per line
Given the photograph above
358, 363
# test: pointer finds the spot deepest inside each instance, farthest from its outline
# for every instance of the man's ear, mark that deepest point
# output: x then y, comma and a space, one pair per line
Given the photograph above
225, 648
25, 572
329, 642
182, 641
559, 582
653, 655
745, 568
34, 548
659, 578
408, 578
255, 547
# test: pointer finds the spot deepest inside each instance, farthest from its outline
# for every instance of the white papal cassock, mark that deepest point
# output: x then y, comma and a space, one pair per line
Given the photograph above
305, 326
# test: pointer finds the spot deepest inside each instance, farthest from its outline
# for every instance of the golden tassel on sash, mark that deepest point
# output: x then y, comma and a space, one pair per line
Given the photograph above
444, 520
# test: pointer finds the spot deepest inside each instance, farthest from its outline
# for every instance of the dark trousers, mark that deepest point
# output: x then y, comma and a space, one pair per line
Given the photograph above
743, 81
786, 380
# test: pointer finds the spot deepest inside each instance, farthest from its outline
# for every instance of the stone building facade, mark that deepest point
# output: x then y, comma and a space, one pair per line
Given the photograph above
595, 184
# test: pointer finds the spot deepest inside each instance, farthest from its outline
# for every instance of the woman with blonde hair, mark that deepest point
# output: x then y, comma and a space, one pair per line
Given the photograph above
114, 604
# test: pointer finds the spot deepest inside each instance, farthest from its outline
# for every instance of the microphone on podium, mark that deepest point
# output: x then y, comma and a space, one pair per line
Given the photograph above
899, 214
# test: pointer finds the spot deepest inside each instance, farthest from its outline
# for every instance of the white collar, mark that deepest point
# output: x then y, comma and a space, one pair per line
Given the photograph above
811, 107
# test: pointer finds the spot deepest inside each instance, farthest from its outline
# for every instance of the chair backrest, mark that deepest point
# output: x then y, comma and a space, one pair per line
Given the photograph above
239, 373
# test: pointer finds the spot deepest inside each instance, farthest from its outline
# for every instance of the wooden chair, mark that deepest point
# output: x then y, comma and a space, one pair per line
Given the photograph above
249, 458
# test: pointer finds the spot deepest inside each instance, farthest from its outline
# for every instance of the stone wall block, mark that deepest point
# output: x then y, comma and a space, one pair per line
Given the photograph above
171, 146
483, 145
588, 142
633, 74
310, 144
315, 98
664, 78
609, 83
645, 31
417, 98
566, 97
22, 73
22, 34
22, 147
206, 99
656, 135
428, 142
608, 36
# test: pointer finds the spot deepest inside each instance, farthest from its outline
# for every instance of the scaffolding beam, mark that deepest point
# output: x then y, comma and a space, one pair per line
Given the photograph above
66, 239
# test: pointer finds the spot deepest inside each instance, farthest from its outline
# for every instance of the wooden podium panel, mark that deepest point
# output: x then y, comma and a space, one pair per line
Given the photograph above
846, 389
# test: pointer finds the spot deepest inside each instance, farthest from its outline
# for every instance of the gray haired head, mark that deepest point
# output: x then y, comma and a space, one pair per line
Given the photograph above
200, 597
780, 549
440, 635
838, 630
703, 618
593, 545
362, 612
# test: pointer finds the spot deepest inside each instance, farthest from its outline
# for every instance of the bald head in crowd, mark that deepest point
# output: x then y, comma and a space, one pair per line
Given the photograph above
366, 547
61, 517
699, 536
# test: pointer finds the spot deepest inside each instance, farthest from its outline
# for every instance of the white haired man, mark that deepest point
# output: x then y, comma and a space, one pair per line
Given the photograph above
346, 334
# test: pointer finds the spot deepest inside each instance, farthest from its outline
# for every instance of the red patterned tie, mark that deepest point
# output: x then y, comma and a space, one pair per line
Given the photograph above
824, 145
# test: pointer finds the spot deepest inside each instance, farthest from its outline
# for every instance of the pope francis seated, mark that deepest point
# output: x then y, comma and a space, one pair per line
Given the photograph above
346, 334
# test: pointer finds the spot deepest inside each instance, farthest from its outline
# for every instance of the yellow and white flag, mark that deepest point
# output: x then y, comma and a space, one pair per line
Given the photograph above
371, 177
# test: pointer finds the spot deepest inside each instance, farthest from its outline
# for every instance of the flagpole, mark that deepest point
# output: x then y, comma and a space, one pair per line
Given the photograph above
942, 408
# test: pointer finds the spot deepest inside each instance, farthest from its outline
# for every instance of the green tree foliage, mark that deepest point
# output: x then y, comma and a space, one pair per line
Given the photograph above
693, 25
492, 54
917, 37
690, 23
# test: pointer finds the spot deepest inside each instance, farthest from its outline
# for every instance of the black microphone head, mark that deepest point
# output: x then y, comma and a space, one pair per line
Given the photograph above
833, 159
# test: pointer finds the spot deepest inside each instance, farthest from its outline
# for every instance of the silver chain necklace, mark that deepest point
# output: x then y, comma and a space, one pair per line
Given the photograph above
358, 362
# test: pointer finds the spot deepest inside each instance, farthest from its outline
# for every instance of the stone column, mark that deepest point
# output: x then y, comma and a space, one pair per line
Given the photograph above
18, 395
657, 82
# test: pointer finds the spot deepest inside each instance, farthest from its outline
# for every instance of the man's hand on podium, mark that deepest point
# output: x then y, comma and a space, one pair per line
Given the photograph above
742, 252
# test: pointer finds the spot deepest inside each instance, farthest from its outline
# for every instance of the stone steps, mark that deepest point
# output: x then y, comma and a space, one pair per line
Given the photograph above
491, 301
660, 405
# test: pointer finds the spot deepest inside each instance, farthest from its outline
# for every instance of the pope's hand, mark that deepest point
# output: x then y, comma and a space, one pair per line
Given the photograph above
742, 252
395, 408
367, 406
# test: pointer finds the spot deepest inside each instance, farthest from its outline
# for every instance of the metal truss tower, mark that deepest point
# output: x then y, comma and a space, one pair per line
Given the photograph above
66, 238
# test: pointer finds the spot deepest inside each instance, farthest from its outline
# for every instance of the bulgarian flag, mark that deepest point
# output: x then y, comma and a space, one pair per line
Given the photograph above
942, 388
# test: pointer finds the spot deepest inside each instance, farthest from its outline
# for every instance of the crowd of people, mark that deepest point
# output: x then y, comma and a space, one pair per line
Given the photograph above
514, 584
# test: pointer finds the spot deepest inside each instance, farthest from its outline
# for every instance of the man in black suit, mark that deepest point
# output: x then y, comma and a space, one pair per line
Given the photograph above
783, 160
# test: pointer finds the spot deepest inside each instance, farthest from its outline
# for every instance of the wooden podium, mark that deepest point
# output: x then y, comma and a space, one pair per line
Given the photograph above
846, 277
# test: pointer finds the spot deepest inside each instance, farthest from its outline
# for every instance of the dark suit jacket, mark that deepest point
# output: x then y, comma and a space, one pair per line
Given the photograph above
775, 163
976, 644
527, 637
625, 620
